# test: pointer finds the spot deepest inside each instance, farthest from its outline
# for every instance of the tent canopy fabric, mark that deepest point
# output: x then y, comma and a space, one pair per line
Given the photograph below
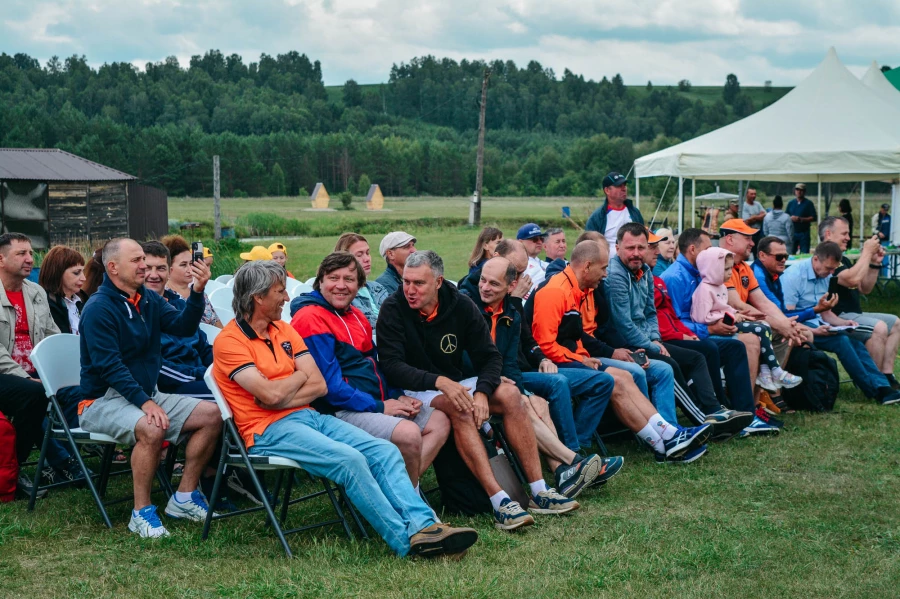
718, 195
831, 127
893, 77
877, 82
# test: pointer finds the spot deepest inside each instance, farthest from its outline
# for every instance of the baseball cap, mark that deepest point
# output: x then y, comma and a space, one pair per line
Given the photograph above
529, 231
733, 202
736, 225
394, 239
206, 252
613, 179
800, 186
653, 237
257, 253
885, 206
278, 247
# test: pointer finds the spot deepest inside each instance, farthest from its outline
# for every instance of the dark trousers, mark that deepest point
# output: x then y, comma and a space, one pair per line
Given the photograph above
732, 356
196, 389
801, 241
693, 366
23, 401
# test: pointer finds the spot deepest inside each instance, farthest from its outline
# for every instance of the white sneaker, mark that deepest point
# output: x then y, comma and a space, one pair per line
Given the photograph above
194, 509
767, 382
787, 380
147, 523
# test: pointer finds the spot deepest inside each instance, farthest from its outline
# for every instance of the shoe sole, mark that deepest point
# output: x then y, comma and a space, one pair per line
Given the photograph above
771, 411
693, 458
451, 543
696, 441
133, 529
787, 386
557, 512
760, 433
890, 402
586, 477
610, 472
243, 492
722, 431
774, 386
521, 524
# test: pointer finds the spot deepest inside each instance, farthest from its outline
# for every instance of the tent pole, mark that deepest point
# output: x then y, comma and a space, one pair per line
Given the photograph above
637, 192
693, 202
819, 201
680, 204
895, 205
862, 212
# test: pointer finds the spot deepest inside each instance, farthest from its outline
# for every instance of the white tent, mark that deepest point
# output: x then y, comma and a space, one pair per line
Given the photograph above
877, 82
831, 127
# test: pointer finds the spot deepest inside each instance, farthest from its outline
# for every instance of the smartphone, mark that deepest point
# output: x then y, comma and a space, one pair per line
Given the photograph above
832, 286
639, 357
196, 251
728, 319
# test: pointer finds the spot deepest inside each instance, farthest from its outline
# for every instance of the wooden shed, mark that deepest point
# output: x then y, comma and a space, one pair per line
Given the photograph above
375, 199
319, 197
59, 198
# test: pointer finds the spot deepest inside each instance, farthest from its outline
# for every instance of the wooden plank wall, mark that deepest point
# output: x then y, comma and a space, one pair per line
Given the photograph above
95, 212
68, 212
108, 205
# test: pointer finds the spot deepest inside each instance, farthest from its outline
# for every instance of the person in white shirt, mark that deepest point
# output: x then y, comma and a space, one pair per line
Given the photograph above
615, 211
532, 238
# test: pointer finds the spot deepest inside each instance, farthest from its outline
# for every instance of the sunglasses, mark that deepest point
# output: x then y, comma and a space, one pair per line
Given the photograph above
780, 257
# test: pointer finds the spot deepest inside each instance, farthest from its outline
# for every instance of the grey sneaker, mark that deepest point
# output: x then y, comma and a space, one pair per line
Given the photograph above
551, 502
194, 509
147, 523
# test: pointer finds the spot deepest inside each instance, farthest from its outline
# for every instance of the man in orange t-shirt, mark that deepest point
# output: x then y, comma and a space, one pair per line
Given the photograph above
269, 378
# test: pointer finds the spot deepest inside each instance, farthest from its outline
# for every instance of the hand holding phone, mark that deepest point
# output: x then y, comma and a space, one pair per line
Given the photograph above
196, 251
639, 357
728, 319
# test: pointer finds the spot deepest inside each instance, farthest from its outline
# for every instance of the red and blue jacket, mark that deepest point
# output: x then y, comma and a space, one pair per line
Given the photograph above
341, 344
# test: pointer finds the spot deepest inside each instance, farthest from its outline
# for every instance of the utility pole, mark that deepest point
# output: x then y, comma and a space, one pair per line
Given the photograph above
217, 215
475, 217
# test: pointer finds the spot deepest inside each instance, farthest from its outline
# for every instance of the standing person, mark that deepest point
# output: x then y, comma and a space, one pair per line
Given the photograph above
883, 231
665, 256
372, 294
181, 275
532, 238
846, 212
279, 255
120, 331
395, 248
25, 321
615, 211
269, 380
753, 213
555, 245
778, 223
62, 277
484, 247
802, 212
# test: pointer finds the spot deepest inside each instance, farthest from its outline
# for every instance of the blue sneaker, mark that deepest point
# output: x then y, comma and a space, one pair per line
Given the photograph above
686, 458
511, 516
687, 439
193, 509
147, 523
759, 427
549, 501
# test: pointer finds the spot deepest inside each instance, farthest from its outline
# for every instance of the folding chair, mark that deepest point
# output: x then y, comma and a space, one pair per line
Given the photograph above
210, 331
57, 364
221, 298
223, 279
291, 284
234, 453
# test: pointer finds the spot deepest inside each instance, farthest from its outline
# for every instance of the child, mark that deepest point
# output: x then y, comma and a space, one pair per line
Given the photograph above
710, 304
279, 255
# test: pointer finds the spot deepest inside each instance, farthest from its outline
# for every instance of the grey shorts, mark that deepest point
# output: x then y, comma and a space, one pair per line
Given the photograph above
380, 425
117, 417
867, 322
426, 396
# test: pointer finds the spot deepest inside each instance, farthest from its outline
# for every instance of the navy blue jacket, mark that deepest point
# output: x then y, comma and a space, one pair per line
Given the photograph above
184, 359
509, 326
771, 288
597, 221
390, 279
120, 344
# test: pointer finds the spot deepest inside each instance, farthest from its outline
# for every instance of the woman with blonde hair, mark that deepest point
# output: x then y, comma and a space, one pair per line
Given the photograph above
372, 294
484, 247
666, 251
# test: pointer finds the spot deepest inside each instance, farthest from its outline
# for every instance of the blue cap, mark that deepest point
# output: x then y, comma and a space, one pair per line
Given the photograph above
613, 179
530, 231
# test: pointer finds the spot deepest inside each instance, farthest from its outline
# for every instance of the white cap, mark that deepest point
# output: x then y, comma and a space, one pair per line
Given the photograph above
394, 239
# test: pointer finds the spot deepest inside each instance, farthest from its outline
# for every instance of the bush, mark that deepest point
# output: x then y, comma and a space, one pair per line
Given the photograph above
239, 193
302, 193
346, 200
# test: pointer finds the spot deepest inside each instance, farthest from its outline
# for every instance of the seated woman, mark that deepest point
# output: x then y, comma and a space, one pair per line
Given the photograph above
372, 294
180, 277
62, 277
484, 247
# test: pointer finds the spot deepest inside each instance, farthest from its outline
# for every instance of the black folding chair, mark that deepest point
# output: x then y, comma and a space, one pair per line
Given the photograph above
234, 453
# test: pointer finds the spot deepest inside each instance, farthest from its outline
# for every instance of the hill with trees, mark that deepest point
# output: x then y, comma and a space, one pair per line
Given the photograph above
278, 129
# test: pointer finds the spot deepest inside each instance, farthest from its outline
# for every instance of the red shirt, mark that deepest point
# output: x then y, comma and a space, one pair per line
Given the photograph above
21, 351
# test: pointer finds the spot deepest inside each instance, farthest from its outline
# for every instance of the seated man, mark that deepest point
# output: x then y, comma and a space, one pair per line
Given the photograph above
681, 279
558, 328
184, 359
120, 362
879, 331
339, 337
572, 472
631, 297
394, 248
532, 239
804, 284
266, 374
423, 334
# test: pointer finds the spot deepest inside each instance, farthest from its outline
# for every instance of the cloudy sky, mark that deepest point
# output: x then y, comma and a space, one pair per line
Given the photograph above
658, 40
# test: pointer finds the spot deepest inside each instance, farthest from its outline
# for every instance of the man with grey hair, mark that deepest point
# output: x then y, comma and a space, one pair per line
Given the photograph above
269, 379
120, 331
879, 331
423, 334
395, 248
555, 245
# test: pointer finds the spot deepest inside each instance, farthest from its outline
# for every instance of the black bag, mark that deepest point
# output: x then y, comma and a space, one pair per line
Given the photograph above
820, 380
461, 493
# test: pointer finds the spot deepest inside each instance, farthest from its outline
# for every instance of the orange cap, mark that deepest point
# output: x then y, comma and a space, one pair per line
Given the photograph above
653, 237
736, 225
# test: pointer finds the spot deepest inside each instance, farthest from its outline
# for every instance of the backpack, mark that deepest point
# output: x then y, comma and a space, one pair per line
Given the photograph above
820, 380
9, 461
461, 493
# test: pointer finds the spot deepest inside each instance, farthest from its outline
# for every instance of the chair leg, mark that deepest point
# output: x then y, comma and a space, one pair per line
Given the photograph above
105, 467
40, 465
353, 514
337, 507
600, 445
217, 487
287, 497
512, 457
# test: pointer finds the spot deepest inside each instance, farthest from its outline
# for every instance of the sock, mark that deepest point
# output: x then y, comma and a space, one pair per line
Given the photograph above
765, 370
776, 372
662, 428
497, 498
649, 434
182, 497
538, 486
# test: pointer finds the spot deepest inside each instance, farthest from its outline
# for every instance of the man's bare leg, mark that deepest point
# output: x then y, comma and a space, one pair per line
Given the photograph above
433, 438
629, 404
548, 441
890, 349
145, 460
468, 444
877, 344
205, 426
507, 401
408, 439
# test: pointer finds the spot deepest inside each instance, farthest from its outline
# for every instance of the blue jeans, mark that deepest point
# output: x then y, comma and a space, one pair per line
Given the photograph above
801, 241
594, 389
370, 470
856, 360
660, 376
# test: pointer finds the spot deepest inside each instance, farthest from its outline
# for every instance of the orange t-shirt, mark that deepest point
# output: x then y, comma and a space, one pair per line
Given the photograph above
237, 348
742, 280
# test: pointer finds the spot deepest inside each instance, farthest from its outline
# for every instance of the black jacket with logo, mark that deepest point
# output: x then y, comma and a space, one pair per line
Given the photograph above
413, 353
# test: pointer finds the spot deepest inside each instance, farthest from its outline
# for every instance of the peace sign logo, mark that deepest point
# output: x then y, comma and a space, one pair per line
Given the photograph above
448, 343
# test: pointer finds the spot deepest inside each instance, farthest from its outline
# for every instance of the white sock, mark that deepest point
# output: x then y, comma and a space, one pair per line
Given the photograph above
182, 497
649, 434
765, 370
538, 486
776, 372
497, 498
663, 428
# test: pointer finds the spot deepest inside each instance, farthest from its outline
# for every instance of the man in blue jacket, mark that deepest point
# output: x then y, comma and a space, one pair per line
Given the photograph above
339, 337
120, 333
615, 211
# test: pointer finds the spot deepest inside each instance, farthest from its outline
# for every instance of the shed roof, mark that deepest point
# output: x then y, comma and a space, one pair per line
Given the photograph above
51, 164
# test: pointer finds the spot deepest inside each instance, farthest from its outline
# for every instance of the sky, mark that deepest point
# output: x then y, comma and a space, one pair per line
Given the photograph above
663, 41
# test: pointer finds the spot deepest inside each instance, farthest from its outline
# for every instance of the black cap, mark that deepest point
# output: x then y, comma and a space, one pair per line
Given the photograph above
885, 207
613, 179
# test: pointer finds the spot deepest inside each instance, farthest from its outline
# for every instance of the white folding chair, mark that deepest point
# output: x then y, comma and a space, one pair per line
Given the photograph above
213, 286
310, 281
221, 298
225, 315
234, 453
223, 279
301, 288
286, 312
210, 331
291, 284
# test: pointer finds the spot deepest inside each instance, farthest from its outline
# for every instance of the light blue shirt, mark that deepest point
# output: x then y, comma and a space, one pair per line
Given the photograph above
802, 288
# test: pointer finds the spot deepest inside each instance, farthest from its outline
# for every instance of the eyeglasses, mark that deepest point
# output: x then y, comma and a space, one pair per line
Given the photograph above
780, 257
